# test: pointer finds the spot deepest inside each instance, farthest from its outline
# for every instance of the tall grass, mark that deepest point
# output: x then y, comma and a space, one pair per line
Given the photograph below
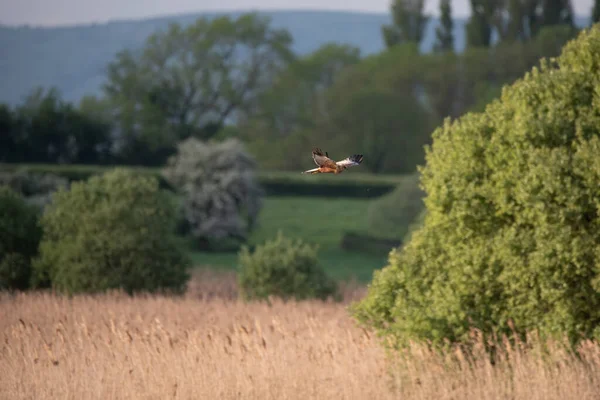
210, 345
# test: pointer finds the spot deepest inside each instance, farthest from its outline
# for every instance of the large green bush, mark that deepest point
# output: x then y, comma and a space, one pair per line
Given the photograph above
284, 268
512, 229
113, 231
20, 235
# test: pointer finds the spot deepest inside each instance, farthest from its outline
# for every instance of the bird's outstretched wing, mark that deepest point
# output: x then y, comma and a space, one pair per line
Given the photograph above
354, 159
322, 159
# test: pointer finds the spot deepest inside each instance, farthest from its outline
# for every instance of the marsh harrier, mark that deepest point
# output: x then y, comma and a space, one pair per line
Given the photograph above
328, 166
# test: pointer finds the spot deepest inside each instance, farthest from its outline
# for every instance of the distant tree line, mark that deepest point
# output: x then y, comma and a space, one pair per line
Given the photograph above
508, 20
230, 77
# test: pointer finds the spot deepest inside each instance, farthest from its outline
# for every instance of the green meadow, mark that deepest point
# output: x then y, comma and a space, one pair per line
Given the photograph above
318, 220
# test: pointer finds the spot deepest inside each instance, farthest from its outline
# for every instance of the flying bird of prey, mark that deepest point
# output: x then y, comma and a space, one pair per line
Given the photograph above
328, 166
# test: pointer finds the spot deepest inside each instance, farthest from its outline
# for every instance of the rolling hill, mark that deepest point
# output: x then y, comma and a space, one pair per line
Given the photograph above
73, 58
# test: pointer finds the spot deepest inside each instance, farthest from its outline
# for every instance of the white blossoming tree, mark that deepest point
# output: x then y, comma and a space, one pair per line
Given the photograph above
221, 198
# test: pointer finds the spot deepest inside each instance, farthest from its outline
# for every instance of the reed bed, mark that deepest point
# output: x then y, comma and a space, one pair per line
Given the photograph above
209, 344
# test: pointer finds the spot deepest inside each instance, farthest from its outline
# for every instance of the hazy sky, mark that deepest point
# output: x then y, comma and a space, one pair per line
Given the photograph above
67, 12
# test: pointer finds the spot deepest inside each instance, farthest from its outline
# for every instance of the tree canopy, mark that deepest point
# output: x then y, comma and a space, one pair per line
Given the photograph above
513, 210
189, 81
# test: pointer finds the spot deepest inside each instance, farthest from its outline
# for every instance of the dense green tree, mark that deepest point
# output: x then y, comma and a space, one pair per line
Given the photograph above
557, 12
513, 27
293, 99
20, 235
546, 13
596, 12
444, 87
190, 81
8, 145
522, 20
42, 122
510, 238
408, 23
113, 231
301, 110
388, 126
374, 106
444, 32
45, 128
479, 27
289, 109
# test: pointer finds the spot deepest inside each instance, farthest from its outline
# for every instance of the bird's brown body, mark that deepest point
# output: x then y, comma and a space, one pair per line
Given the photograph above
327, 166
329, 170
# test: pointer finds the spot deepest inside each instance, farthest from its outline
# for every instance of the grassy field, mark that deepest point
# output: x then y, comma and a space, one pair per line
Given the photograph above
113, 346
303, 208
317, 220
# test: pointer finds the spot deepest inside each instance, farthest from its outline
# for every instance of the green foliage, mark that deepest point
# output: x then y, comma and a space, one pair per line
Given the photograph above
285, 113
596, 12
221, 198
187, 81
514, 28
20, 234
113, 231
388, 126
479, 28
288, 105
511, 231
390, 216
373, 109
516, 20
386, 104
556, 12
8, 142
443, 33
230, 77
46, 128
409, 23
285, 268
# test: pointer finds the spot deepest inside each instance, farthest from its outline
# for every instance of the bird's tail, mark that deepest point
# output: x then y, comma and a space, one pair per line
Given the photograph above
312, 171
356, 158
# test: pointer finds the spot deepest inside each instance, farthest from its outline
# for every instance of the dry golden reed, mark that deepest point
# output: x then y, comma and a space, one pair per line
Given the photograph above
210, 345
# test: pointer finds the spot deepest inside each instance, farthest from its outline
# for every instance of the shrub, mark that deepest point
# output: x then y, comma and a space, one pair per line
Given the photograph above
20, 234
284, 268
390, 215
512, 229
221, 198
113, 231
